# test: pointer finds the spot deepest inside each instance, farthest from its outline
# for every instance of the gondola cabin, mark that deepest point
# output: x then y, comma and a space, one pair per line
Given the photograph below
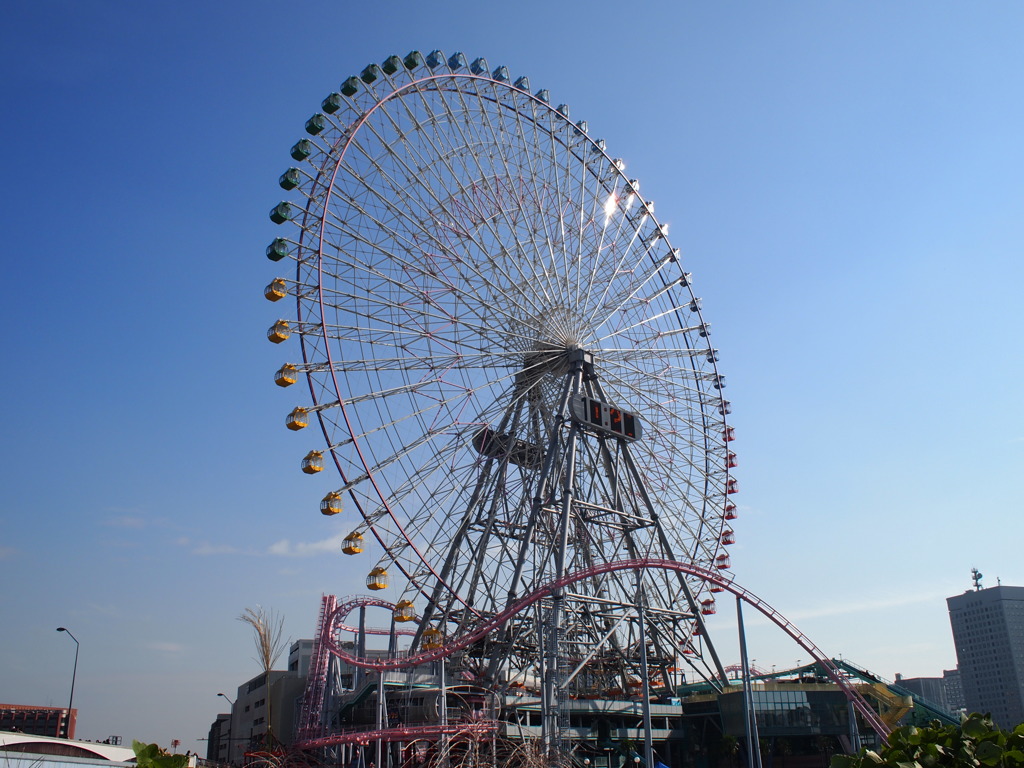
404, 611
276, 290
432, 638
286, 375
313, 462
353, 543
279, 331
331, 504
377, 579
297, 419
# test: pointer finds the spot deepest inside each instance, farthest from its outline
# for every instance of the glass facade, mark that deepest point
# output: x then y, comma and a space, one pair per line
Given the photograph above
782, 712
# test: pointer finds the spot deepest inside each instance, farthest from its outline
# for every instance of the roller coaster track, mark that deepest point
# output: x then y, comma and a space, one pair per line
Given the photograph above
424, 732
488, 625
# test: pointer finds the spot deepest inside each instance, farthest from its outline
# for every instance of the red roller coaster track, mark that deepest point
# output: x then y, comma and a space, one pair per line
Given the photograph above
338, 614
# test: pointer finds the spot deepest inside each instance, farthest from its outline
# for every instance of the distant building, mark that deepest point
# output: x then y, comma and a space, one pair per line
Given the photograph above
244, 729
954, 690
58, 722
299, 654
988, 632
218, 739
267, 702
929, 688
264, 702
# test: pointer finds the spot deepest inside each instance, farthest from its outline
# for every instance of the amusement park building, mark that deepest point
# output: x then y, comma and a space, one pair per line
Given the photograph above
24, 750
988, 632
801, 715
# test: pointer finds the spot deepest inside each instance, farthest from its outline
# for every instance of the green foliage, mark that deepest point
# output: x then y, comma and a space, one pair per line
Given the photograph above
975, 743
151, 756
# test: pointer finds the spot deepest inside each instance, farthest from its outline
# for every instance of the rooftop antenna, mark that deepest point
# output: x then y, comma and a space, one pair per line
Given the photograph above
976, 576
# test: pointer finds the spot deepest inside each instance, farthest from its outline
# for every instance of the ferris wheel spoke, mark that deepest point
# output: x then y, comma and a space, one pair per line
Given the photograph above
608, 304
502, 144
475, 272
535, 191
485, 173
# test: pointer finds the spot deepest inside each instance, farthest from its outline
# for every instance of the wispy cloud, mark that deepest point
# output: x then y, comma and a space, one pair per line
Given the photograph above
801, 616
109, 610
286, 548
163, 647
875, 604
206, 548
125, 521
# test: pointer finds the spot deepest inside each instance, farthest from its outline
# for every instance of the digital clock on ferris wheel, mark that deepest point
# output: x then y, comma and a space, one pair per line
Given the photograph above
604, 418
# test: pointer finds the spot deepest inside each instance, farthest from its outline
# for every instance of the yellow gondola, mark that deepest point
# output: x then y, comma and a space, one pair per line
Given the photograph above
276, 289
378, 579
353, 543
279, 331
297, 419
331, 504
313, 462
286, 375
404, 611
432, 638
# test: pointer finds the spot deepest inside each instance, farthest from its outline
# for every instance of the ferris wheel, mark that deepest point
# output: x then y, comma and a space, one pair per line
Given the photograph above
512, 373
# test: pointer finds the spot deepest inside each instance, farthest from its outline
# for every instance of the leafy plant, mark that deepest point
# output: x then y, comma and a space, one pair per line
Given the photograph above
151, 756
975, 743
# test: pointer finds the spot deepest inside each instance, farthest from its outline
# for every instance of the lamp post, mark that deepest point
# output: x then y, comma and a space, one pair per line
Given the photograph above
74, 674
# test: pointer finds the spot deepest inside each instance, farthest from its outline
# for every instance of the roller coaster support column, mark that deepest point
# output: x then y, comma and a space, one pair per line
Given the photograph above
644, 675
443, 715
360, 674
854, 731
750, 721
381, 720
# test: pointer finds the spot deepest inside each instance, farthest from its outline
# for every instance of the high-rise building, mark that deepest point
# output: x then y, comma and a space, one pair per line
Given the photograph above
40, 721
988, 632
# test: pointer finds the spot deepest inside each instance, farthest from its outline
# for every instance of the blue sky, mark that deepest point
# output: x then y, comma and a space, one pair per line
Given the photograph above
846, 181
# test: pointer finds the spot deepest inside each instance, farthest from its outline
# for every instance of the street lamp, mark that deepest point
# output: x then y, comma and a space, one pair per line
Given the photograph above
229, 701
74, 673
